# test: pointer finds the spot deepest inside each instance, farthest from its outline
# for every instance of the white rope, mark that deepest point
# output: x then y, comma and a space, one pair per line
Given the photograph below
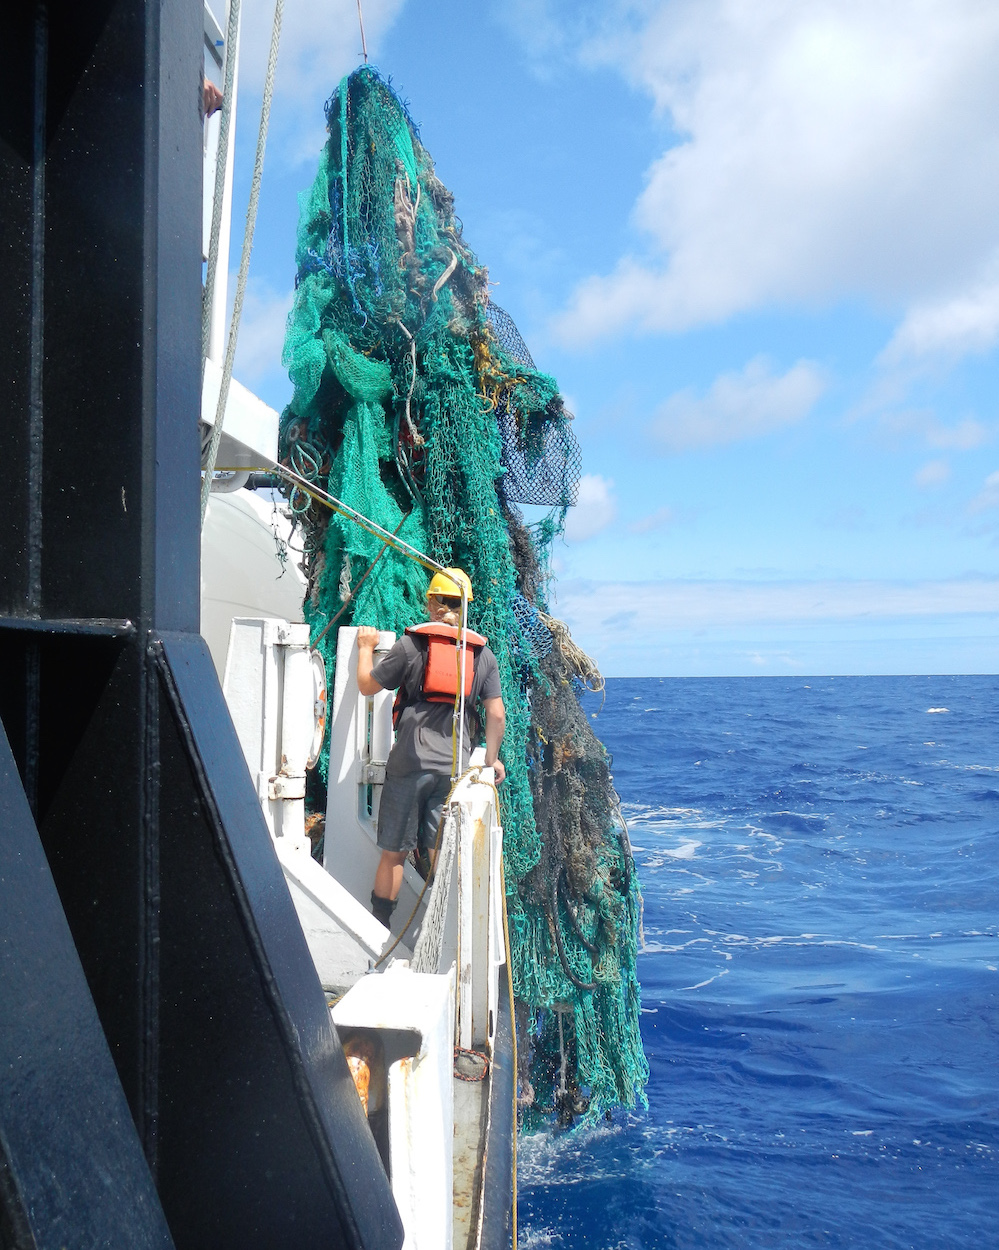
221, 160
574, 656
445, 277
414, 433
244, 263
430, 943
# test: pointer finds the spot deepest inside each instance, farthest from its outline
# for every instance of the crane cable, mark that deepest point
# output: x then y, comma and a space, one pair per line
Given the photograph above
343, 509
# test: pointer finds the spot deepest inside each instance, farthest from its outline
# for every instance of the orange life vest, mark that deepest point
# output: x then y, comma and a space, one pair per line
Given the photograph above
441, 667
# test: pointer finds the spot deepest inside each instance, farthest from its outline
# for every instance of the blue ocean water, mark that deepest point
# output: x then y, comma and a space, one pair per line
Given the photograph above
820, 866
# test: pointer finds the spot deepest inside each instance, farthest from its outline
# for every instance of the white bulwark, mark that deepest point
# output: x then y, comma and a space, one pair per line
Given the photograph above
404, 1030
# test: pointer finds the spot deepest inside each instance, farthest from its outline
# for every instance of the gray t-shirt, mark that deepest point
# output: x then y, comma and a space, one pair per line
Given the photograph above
423, 738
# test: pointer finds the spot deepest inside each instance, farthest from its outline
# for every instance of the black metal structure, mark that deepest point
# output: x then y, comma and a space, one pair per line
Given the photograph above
169, 1074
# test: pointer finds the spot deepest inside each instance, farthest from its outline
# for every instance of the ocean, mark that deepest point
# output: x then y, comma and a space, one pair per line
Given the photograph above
819, 860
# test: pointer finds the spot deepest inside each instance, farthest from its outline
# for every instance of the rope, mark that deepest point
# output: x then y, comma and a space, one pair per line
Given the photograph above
221, 162
360, 22
445, 277
244, 263
560, 944
414, 433
427, 951
337, 505
573, 918
475, 1054
575, 656
563, 1088
513, 1030
346, 603
459, 702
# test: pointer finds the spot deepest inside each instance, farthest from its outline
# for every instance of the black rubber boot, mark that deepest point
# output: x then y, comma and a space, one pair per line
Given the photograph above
382, 908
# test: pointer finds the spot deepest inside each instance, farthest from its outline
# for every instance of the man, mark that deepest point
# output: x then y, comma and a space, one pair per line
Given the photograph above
423, 667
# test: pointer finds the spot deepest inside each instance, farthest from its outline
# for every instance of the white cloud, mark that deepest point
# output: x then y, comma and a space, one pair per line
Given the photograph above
738, 406
319, 44
717, 628
595, 508
655, 520
830, 149
988, 497
598, 609
957, 326
901, 427
933, 473
261, 330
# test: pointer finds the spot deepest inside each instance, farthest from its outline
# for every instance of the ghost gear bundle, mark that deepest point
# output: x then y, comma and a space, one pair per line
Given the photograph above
417, 404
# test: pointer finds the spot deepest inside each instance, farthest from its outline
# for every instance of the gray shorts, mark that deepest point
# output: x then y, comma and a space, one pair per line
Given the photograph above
410, 811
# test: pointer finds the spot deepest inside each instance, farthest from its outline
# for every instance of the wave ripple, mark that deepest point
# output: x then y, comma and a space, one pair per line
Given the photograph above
821, 1002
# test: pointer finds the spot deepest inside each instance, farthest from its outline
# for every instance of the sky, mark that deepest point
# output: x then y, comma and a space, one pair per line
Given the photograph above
757, 243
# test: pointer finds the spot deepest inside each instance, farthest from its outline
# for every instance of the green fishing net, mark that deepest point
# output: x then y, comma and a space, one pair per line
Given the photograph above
417, 403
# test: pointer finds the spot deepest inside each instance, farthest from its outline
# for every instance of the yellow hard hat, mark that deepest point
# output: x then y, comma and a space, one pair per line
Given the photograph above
450, 583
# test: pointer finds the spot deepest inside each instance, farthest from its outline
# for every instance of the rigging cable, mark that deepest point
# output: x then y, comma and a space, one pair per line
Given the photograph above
360, 22
353, 592
221, 163
244, 262
337, 505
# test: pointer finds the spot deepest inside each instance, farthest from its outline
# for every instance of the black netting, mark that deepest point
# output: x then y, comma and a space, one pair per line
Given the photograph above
508, 336
541, 457
537, 635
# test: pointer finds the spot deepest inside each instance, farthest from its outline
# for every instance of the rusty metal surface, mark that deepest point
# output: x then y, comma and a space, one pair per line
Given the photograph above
471, 1106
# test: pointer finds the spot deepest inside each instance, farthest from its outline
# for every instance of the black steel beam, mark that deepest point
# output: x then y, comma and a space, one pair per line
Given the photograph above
72, 1172
162, 881
320, 1165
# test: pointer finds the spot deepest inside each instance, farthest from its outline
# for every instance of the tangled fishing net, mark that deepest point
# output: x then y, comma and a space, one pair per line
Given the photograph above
417, 403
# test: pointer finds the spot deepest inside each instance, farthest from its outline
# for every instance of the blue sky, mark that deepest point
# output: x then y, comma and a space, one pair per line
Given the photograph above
758, 245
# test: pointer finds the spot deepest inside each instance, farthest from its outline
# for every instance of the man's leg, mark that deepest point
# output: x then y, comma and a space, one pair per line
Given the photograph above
396, 838
434, 791
388, 882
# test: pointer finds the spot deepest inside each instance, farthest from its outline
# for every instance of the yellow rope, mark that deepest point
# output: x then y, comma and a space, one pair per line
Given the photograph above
513, 1031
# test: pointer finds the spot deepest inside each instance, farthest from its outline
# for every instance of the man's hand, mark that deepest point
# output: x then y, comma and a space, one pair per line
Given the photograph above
367, 640
499, 772
211, 99
367, 637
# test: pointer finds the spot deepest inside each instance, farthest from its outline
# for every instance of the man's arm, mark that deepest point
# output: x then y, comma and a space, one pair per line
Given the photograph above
367, 640
495, 728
